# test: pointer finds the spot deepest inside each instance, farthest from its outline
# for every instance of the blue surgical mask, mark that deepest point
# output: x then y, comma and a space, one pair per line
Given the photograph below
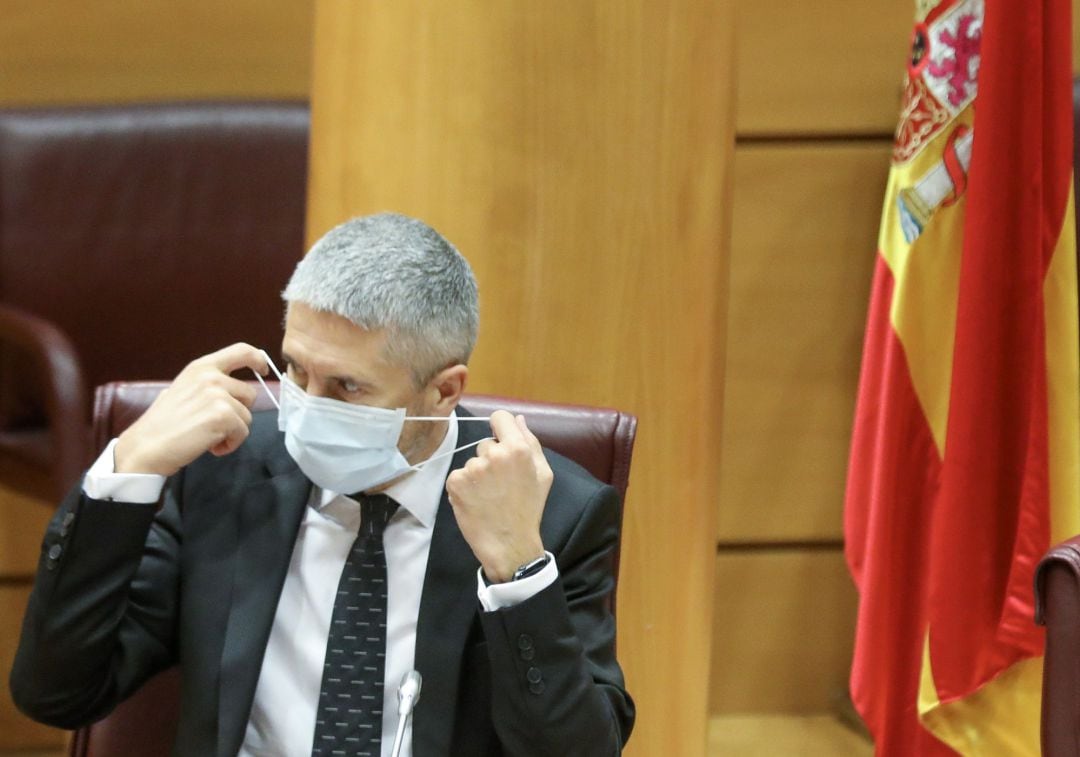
340, 446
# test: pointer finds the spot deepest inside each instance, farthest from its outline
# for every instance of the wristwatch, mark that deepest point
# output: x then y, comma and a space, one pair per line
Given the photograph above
531, 568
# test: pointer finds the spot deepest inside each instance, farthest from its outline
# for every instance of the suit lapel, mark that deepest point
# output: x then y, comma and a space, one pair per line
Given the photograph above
268, 516
448, 606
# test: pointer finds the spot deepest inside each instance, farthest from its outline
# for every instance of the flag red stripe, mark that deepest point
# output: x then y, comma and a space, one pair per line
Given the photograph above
891, 482
991, 521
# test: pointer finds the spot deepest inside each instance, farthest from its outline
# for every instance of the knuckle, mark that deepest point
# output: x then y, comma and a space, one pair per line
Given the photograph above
517, 451
207, 380
222, 409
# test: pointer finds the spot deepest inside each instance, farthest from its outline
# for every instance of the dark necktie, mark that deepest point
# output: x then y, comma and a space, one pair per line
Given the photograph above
349, 718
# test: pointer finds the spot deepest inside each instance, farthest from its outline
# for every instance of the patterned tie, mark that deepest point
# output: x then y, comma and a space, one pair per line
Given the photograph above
349, 718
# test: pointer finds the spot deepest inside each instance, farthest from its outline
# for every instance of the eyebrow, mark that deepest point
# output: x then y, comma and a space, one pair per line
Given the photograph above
340, 378
287, 359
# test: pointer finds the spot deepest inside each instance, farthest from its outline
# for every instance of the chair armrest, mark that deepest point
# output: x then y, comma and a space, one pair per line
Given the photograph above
62, 387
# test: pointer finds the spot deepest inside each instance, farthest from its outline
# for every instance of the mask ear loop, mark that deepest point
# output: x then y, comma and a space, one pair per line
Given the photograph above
420, 465
277, 373
484, 418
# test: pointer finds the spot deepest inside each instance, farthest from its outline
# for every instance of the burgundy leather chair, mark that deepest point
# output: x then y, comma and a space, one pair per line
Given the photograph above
1057, 605
600, 440
132, 239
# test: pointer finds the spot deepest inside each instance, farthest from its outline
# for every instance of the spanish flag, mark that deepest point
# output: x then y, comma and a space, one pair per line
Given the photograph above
965, 460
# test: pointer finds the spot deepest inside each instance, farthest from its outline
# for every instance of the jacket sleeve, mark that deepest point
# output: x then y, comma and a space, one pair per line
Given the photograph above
557, 688
101, 616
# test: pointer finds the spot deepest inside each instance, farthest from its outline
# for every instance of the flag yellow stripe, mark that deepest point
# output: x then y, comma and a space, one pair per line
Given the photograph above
999, 720
924, 315
927, 280
1063, 381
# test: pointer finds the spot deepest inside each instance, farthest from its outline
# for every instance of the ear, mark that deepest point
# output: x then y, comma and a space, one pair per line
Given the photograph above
447, 387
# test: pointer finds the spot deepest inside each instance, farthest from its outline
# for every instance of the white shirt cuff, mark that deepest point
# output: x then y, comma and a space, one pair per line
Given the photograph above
103, 482
501, 596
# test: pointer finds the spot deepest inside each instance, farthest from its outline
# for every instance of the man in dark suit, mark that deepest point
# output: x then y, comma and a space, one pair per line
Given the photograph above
294, 577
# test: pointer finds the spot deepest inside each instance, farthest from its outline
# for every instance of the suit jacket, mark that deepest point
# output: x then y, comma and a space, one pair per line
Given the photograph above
125, 590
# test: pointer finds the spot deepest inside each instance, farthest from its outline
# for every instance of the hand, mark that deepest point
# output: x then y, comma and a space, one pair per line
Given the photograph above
203, 409
499, 495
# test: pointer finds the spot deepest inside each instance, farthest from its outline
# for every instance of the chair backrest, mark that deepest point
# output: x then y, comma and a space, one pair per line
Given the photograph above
1057, 606
600, 440
150, 233
1057, 602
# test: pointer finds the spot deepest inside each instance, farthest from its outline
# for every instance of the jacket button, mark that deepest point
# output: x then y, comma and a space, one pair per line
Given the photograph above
525, 641
55, 551
537, 688
533, 675
527, 654
69, 518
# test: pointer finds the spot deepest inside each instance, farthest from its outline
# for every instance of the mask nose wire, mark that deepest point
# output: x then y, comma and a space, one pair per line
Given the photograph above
277, 373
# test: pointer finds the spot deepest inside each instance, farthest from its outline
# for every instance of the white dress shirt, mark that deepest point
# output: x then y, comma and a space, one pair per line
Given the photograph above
282, 718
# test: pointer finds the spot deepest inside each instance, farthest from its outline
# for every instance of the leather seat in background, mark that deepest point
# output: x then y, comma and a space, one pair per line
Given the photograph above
132, 239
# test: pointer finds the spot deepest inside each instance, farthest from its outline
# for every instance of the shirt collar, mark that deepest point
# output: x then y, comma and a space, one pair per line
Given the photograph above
418, 492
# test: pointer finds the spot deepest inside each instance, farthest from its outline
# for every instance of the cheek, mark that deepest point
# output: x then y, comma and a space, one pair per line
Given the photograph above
409, 434
413, 433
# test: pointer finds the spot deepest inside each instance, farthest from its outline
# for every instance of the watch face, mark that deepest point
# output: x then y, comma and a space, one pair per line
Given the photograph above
531, 568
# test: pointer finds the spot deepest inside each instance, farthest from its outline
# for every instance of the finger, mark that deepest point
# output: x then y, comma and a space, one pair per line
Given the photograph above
231, 442
475, 467
241, 390
504, 426
484, 447
530, 437
237, 356
226, 413
234, 424
455, 485
242, 410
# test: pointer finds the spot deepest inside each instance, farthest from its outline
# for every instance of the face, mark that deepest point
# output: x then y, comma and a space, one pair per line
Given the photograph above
330, 356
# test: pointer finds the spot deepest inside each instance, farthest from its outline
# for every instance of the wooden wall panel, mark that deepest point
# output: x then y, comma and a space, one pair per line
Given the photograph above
580, 160
22, 526
769, 735
67, 51
804, 232
784, 627
827, 67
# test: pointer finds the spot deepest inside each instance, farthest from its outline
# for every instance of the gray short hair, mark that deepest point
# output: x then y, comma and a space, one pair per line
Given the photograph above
389, 271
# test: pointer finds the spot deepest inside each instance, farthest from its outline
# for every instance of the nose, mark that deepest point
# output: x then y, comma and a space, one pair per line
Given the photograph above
316, 387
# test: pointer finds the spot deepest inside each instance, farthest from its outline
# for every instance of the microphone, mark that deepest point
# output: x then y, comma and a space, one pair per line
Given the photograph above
408, 695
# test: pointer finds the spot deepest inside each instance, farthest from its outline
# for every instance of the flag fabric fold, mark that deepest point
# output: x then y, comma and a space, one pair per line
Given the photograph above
965, 460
